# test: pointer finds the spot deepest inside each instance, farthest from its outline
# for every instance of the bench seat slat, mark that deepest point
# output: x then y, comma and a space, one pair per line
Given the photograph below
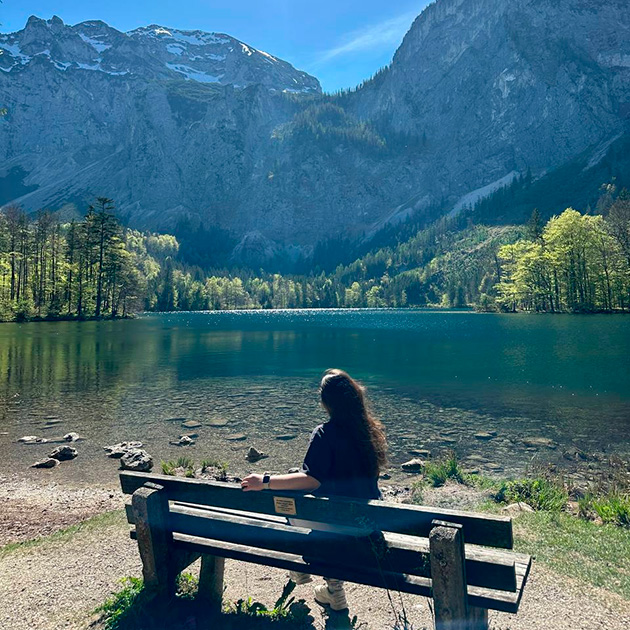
480, 529
404, 554
479, 597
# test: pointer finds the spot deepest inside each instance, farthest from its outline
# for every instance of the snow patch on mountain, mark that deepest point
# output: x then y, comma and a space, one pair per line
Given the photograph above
97, 45
195, 75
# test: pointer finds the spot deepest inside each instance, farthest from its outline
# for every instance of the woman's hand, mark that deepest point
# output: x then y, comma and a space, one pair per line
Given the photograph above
252, 483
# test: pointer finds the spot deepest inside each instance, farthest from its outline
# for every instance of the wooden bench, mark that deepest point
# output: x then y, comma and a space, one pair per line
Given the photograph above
462, 560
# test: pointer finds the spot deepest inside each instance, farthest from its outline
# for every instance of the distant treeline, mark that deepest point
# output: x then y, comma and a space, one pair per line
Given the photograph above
575, 263
98, 268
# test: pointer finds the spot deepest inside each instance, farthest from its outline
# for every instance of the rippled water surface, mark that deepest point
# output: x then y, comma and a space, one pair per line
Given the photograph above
435, 378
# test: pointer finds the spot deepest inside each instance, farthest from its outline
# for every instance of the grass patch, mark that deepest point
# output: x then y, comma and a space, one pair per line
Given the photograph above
131, 608
107, 519
437, 473
540, 493
184, 464
596, 554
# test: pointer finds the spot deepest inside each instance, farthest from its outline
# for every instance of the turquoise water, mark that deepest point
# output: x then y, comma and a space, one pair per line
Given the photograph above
435, 378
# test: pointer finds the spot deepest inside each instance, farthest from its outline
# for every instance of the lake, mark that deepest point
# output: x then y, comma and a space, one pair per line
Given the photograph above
435, 378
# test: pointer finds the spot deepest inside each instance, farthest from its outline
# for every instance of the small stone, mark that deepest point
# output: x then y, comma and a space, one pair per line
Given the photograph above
286, 437
137, 460
236, 437
485, 435
254, 455
471, 471
51, 462
413, 465
294, 470
71, 437
184, 441
386, 477
191, 424
64, 453
218, 422
420, 452
539, 442
32, 439
493, 466
517, 508
176, 420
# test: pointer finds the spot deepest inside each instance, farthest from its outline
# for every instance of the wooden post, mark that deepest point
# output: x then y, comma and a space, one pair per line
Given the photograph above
448, 576
211, 581
150, 510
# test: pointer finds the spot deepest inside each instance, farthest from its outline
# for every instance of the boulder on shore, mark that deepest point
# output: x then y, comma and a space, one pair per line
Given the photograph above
517, 508
64, 453
71, 437
414, 465
254, 455
50, 462
138, 460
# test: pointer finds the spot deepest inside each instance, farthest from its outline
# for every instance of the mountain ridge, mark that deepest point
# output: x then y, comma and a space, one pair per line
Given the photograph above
478, 90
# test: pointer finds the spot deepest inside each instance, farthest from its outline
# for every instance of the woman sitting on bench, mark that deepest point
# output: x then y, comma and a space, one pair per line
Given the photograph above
344, 458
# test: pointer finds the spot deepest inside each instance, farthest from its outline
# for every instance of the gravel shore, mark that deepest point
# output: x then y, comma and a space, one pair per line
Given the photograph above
57, 581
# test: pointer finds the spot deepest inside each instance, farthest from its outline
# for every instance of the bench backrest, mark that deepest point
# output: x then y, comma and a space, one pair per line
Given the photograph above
478, 529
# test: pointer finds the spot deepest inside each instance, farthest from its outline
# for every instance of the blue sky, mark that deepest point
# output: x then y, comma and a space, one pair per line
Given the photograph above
341, 42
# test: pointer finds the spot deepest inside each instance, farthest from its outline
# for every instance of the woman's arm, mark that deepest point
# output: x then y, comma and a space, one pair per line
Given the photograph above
297, 481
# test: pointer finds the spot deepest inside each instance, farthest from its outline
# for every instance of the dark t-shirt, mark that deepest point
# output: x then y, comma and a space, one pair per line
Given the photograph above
336, 462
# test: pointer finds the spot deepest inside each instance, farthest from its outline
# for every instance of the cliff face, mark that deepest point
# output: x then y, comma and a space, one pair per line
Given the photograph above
176, 124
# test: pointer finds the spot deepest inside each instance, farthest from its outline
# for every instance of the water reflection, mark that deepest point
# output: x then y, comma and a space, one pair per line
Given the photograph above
430, 373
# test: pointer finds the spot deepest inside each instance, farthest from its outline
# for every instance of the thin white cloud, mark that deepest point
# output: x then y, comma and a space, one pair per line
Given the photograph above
374, 37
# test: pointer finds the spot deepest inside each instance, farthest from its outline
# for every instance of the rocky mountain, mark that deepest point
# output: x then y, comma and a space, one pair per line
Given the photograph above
200, 127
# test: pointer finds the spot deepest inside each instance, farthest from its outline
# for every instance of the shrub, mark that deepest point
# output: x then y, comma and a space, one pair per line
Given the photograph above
120, 608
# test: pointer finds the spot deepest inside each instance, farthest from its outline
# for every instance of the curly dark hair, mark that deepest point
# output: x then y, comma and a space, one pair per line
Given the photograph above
345, 401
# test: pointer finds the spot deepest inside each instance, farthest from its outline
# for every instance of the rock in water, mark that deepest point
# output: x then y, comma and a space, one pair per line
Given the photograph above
420, 452
51, 462
64, 453
138, 460
539, 442
71, 437
32, 439
184, 440
485, 435
118, 450
413, 465
236, 437
191, 424
254, 455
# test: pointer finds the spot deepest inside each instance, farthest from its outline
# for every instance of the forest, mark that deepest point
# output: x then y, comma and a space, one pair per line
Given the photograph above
95, 267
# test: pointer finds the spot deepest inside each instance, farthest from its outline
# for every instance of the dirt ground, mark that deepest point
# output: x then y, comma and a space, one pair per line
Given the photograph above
57, 582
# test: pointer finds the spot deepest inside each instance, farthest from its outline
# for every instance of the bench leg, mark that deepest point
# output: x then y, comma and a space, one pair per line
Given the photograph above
150, 508
211, 581
448, 576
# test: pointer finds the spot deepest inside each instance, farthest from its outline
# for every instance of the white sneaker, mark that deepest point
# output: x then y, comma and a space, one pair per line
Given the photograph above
335, 599
300, 578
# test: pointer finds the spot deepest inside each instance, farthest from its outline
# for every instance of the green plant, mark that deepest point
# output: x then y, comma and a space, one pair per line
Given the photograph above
122, 607
613, 508
437, 473
187, 585
168, 468
287, 609
540, 493
181, 463
221, 467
